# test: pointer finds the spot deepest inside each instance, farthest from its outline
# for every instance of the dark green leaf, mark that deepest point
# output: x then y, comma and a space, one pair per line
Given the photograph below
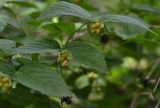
2, 24
87, 55
65, 9
67, 28
7, 46
43, 79
134, 25
125, 30
146, 8
12, 22
39, 46
22, 3
6, 68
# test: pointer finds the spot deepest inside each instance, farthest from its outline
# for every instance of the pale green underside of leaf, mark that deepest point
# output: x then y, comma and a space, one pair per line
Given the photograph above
65, 9
87, 55
135, 25
146, 8
125, 30
43, 79
38, 46
7, 46
68, 9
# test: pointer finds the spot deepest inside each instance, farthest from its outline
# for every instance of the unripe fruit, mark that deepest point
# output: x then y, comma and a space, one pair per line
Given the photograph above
98, 24
64, 58
5, 79
5, 83
98, 31
1, 84
1, 78
96, 27
92, 26
92, 75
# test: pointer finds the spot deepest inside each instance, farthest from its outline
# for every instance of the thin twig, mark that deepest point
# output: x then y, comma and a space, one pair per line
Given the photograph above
153, 68
155, 26
155, 88
70, 37
59, 64
158, 104
134, 101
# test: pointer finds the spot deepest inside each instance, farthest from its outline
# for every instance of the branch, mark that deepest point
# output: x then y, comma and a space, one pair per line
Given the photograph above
155, 88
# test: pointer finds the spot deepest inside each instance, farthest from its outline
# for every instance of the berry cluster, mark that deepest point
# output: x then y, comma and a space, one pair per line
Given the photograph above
64, 57
96, 27
5, 83
67, 100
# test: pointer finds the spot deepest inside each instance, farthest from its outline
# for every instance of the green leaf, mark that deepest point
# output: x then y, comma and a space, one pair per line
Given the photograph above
125, 30
122, 19
46, 104
6, 68
127, 26
7, 46
23, 3
2, 24
38, 46
87, 55
43, 79
65, 9
146, 8
12, 22
2, 2
82, 82
68, 28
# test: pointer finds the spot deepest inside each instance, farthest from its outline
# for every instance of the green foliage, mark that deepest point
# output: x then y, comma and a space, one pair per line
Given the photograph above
135, 26
38, 46
87, 55
2, 24
124, 26
42, 78
97, 54
82, 82
6, 67
7, 46
65, 9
